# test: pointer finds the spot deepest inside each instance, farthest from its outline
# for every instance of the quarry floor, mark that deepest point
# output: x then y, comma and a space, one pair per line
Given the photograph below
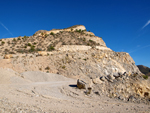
39, 92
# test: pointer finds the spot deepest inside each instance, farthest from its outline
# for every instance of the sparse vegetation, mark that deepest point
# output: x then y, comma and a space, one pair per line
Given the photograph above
85, 59
2, 42
47, 68
34, 43
64, 67
145, 76
51, 33
78, 30
42, 34
29, 44
51, 48
19, 38
14, 40
91, 41
46, 35
32, 49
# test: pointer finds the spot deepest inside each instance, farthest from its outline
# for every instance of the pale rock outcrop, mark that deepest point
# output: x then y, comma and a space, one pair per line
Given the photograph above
42, 53
8, 56
74, 48
103, 48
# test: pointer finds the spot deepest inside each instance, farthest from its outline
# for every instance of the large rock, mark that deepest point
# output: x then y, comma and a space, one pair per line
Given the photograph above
81, 84
97, 81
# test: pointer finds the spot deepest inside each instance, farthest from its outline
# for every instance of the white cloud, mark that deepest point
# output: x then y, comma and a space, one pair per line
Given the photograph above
148, 22
137, 49
6, 28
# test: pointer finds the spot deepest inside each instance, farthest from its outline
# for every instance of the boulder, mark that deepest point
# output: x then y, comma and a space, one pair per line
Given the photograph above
97, 81
81, 84
111, 76
109, 80
102, 78
117, 75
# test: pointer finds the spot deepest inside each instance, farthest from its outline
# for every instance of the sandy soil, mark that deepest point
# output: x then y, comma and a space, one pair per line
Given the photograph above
39, 92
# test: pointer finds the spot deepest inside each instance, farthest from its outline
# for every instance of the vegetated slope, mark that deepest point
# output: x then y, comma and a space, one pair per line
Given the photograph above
145, 70
41, 41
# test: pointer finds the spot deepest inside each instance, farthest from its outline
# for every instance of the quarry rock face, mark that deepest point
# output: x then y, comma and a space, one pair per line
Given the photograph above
76, 53
88, 54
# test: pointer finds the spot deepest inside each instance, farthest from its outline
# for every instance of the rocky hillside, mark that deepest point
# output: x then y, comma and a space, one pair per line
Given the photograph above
145, 70
76, 53
44, 40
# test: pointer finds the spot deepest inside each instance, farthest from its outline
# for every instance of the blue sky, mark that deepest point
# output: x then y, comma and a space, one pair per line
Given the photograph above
124, 25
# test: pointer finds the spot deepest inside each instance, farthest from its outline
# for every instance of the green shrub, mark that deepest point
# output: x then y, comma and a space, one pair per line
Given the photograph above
84, 39
47, 68
34, 43
63, 67
29, 44
19, 38
51, 33
145, 76
51, 48
2, 42
78, 30
84, 59
14, 40
46, 35
32, 49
